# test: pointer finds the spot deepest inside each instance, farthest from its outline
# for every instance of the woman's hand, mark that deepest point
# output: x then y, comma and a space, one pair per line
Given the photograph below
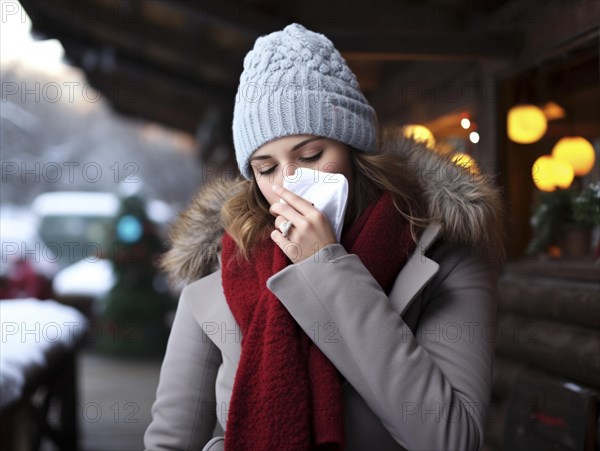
310, 231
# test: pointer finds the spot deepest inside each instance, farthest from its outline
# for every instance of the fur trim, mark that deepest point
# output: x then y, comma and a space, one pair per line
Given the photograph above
195, 236
467, 204
464, 201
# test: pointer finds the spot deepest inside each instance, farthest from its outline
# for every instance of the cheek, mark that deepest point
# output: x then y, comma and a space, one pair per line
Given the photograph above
337, 163
346, 169
333, 167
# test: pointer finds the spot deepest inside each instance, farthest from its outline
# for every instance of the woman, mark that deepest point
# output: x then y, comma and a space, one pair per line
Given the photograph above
287, 338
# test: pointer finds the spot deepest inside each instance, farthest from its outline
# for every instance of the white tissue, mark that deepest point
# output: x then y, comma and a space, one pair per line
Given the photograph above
328, 191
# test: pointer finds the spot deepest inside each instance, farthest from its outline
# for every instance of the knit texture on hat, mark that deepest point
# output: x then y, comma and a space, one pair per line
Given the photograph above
296, 82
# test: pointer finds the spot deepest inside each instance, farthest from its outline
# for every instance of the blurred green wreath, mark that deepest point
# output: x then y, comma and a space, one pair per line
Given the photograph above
562, 206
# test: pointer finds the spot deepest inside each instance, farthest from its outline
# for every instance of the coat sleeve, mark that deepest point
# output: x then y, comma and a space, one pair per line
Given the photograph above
183, 414
430, 388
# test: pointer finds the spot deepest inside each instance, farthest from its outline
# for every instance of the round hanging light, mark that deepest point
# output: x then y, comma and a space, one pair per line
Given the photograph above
549, 173
419, 133
474, 137
526, 124
577, 151
563, 174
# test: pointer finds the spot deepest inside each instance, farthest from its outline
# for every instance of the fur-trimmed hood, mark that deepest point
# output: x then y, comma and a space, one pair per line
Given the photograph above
467, 205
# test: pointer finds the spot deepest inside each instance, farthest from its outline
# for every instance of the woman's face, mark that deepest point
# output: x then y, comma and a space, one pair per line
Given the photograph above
272, 161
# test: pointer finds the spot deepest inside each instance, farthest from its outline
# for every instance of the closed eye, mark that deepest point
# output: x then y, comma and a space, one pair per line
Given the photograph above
315, 157
310, 159
267, 171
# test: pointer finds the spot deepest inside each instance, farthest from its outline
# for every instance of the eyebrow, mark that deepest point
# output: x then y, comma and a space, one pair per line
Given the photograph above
297, 146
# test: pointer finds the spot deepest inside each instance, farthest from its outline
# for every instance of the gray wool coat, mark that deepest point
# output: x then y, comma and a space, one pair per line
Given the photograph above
417, 363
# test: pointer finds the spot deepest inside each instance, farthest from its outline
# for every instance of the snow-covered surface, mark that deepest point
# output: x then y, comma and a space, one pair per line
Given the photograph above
85, 278
17, 224
78, 203
31, 331
19, 239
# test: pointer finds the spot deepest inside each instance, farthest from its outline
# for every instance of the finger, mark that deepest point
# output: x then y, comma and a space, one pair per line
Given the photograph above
288, 212
291, 249
299, 203
278, 238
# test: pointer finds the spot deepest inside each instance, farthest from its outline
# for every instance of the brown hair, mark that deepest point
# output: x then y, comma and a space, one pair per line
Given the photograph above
247, 219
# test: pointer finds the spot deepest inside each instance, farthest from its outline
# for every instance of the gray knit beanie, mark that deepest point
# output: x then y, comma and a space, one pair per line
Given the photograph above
295, 82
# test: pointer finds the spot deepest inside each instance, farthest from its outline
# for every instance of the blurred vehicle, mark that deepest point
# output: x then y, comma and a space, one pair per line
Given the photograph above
80, 227
27, 266
76, 224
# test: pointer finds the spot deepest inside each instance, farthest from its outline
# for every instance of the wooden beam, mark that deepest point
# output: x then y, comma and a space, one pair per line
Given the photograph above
425, 46
190, 85
589, 128
550, 30
425, 91
154, 108
185, 49
146, 91
236, 16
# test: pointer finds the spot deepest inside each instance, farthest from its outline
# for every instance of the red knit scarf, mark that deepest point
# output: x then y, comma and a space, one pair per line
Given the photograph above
287, 395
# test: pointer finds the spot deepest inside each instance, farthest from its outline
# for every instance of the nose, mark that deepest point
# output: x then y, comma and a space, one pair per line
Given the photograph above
289, 169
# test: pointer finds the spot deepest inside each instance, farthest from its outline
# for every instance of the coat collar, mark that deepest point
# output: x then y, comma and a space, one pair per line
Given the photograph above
210, 309
417, 272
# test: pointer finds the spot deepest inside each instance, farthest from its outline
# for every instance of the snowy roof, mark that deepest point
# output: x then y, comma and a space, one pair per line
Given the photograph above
78, 203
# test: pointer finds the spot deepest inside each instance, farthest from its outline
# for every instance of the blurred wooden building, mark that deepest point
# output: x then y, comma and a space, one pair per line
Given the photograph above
429, 62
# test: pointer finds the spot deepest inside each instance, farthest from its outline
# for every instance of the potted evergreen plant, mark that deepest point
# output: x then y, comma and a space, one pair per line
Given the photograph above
565, 218
586, 210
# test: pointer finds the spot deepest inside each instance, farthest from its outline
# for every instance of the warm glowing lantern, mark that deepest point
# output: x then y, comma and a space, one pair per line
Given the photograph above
549, 173
553, 110
563, 174
419, 133
577, 151
526, 124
